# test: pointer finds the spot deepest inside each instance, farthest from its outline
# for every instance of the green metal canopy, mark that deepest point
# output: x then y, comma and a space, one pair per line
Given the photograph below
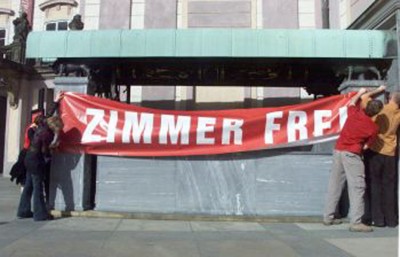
231, 57
229, 43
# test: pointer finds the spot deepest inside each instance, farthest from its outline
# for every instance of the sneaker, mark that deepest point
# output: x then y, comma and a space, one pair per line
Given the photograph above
332, 222
360, 227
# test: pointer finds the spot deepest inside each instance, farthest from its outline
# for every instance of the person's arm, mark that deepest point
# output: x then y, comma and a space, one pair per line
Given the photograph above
31, 132
56, 142
54, 106
371, 140
373, 93
357, 96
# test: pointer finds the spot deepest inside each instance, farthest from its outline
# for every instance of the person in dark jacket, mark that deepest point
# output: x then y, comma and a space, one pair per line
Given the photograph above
18, 170
35, 163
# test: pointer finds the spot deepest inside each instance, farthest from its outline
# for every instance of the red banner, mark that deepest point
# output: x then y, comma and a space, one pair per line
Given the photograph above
104, 127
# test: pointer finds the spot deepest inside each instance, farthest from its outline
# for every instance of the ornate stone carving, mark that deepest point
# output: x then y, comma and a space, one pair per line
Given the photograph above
21, 28
16, 50
76, 23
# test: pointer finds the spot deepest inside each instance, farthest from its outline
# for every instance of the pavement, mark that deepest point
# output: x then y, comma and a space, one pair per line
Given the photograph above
103, 236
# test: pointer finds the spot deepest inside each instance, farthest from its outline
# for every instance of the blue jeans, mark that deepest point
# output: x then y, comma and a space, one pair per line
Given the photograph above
33, 187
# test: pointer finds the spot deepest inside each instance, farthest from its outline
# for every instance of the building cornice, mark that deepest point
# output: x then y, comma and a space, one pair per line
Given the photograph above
50, 3
378, 15
7, 11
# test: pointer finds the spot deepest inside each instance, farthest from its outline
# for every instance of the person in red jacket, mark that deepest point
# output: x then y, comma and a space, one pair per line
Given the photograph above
18, 170
358, 132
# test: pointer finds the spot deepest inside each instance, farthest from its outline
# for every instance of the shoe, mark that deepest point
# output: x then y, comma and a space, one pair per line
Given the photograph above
25, 216
379, 225
360, 227
48, 218
392, 225
332, 222
41, 219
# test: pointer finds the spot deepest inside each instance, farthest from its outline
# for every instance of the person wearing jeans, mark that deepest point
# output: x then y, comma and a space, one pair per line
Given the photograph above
35, 163
33, 188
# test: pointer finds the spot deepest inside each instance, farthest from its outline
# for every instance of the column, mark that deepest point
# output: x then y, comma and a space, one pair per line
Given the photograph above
73, 176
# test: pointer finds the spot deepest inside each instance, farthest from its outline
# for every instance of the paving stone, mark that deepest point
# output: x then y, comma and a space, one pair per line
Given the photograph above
226, 226
104, 237
368, 247
153, 225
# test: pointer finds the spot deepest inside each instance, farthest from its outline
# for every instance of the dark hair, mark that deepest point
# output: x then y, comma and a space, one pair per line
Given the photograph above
38, 119
373, 107
55, 123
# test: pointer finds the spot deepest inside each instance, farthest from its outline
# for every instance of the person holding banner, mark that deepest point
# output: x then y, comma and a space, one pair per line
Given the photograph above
35, 162
18, 170
358, 132
44, 139
380, 162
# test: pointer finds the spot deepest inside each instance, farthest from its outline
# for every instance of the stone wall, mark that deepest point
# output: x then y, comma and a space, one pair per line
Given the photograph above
260, 183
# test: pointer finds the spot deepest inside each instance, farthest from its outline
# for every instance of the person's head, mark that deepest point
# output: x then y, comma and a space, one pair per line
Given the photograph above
39, 119
395, 98
373, 107
55, 124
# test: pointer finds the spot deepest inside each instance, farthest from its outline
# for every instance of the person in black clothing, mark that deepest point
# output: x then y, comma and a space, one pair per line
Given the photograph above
35, 163
18, 170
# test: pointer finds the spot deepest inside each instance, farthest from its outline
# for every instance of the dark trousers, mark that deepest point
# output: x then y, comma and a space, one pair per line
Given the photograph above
47, 181
381, 174
33, 188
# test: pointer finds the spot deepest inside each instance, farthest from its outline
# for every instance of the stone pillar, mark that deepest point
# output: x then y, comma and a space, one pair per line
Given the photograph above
73, 176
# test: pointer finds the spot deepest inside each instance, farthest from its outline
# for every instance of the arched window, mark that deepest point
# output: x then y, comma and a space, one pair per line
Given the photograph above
57, 3
56, 10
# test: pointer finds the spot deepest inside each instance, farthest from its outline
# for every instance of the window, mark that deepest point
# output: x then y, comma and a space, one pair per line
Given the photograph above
2, 37
51, 26
57, 25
